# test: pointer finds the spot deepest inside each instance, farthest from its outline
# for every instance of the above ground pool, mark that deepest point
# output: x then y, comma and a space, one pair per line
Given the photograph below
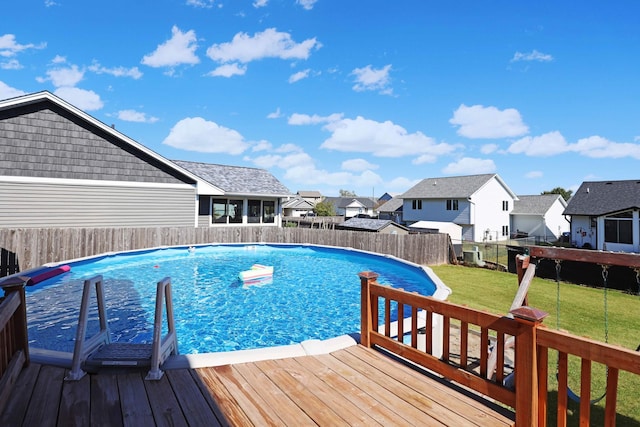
314, 293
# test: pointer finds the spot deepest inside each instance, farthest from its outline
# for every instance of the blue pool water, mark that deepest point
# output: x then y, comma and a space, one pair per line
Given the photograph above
314, 294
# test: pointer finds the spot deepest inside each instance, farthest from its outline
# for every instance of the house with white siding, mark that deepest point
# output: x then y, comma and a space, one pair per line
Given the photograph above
61, 167
480, 204
605, 215
539, 216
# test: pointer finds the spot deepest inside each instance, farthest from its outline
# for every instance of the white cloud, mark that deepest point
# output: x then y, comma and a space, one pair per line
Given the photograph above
549, 144
178, 50
9, 47
599, 147
133, 72
86, 100
206, 4
228, 70
59, 59
275, 115
300, 168
12, 64
533, 174
479, 121
306, 4
299, 76
532, 56
382, 139
357, 165
260, 3
553, 143
68, 76
200, 135
371, 79
7, 91
470, 166
268, 44
489, 148
298, 119
135, 116
401, 184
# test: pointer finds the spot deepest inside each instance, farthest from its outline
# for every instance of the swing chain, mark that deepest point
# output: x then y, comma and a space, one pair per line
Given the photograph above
558, 267
605, 280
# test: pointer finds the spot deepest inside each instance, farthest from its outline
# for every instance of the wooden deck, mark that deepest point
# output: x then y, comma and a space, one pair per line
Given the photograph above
353, 386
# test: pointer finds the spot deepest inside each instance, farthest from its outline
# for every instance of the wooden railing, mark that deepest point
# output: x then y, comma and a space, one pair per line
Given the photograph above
14, 346
381, 304
564, 345
470, 366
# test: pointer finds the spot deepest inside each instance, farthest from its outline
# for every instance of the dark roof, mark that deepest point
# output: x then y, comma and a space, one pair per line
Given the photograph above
343, 202
455, 187
535, 204
237, 179
393, 205
604, 197
368, 224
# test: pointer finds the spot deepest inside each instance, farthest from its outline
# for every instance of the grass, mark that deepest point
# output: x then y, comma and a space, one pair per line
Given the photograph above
579, 310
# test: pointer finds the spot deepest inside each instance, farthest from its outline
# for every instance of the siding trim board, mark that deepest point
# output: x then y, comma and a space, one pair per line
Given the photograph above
85, 182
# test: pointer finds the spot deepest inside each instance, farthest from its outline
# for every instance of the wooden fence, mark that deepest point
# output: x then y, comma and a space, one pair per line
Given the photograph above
37, 246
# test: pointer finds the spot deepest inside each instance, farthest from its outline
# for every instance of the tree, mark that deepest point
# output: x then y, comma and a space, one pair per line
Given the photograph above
325, 209
566, 194
347, 193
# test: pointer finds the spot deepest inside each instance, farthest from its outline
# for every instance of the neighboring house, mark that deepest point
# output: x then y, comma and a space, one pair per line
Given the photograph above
391, 209
384, 226
251, 195
297, 207
481, 204
60, 167
386, 197
353, 206
313, 197
539, 216
604, 216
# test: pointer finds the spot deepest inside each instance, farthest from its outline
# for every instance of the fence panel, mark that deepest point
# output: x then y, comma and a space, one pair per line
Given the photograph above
33, 247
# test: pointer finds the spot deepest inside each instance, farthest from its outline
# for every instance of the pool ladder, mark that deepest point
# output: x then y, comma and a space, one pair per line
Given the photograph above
99, 352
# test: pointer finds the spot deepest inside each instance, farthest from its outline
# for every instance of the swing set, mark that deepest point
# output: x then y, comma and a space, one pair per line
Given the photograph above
605, 260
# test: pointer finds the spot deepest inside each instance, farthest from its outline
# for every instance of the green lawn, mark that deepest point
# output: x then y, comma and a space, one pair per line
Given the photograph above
581, 312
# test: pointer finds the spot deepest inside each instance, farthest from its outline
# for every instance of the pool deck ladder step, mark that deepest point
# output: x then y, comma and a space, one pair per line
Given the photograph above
99, 352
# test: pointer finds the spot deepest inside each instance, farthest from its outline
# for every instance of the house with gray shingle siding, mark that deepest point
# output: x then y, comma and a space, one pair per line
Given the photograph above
605, 216
539, 216
481, 204
60, 167
251, 196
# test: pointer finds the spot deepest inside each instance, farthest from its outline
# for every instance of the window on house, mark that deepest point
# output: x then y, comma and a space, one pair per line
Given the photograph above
417, 204
219, 211
235, 211
505, 205
619, 228
269, 212
254, 211
505, 229
204, 205
452, 205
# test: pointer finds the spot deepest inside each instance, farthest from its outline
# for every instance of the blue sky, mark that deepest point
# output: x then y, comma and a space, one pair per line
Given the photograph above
368, 96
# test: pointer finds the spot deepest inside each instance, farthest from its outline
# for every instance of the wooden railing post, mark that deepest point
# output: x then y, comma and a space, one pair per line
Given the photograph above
366, 279
526, 366
12, 285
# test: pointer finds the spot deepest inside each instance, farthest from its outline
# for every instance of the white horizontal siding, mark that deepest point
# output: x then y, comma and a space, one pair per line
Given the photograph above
39, 204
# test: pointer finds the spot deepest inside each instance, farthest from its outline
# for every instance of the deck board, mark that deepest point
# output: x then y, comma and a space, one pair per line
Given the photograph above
353, 386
